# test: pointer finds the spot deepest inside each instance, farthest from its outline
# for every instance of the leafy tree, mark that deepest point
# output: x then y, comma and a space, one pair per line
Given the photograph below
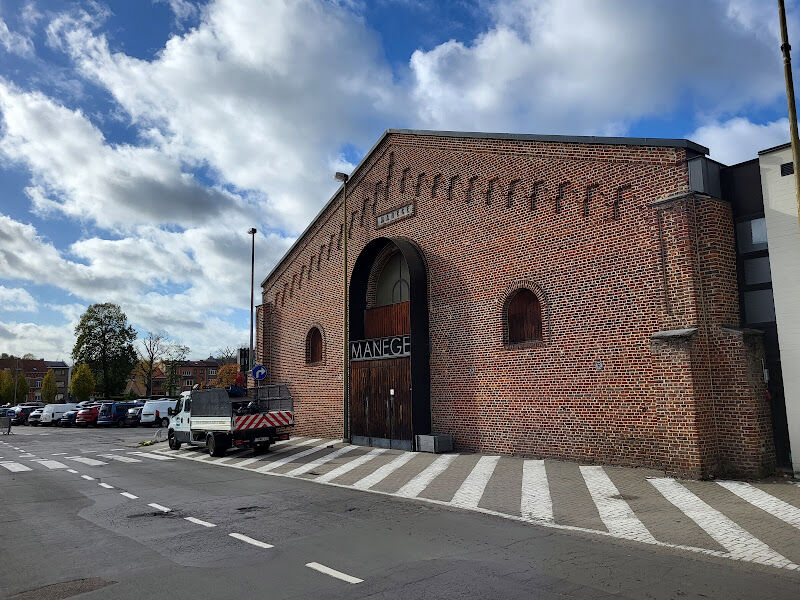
22, 388
174, 355
6, 387
49, 389
28, 356
6, 355
82, 384
105, 343
226, 376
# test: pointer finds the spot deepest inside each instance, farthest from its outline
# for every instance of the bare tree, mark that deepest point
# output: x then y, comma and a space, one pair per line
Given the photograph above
226, 353
151, 351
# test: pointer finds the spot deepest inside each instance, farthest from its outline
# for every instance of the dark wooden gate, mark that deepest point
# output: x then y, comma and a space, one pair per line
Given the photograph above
380, 390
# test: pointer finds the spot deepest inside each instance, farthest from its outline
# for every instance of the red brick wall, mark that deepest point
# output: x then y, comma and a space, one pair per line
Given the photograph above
595, 389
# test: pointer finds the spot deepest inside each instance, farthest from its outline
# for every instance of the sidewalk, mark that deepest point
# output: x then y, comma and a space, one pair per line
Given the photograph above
756, 522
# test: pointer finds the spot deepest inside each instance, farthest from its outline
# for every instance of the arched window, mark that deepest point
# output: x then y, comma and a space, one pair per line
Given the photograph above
393, 282
523, 317
314, 346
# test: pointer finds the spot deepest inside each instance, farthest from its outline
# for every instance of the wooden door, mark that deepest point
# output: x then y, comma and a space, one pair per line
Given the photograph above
375, 412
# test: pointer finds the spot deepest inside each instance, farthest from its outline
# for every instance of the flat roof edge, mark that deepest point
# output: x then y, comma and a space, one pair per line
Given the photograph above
774, 148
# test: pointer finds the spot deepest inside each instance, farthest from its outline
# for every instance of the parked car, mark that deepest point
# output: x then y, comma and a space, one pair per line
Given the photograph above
21, 414
35, 416
133, 416
52, 413
87, 416
156, 412
113, 413
68, 419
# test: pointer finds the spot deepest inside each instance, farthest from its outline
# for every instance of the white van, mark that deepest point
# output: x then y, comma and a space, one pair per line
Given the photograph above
52, 413
155, 412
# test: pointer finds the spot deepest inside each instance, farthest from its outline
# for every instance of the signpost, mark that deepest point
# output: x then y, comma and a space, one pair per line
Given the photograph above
259, 372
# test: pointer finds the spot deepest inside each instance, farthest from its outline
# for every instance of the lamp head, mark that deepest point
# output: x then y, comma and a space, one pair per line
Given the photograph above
251, 231
343, 177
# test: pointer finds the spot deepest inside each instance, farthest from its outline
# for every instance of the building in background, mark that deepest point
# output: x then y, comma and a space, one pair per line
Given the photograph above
61, 373
33, 370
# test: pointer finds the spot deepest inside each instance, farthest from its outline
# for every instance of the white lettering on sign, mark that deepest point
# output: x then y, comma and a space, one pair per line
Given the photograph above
388, 347
393, 215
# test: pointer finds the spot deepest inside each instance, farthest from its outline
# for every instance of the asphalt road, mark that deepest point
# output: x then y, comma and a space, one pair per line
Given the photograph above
57, 526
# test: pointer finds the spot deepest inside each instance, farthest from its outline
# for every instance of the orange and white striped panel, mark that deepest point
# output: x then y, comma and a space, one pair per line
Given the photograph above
275, 418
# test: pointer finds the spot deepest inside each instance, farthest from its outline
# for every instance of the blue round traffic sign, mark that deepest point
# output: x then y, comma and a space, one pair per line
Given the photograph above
259, 372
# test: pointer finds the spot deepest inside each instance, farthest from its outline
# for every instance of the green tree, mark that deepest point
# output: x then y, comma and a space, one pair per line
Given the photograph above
49, 389
82, 384
105, 343
174, 355
22, 388
6, 387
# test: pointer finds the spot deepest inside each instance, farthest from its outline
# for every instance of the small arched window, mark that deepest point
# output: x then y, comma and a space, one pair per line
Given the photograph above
523, 317
393, 282
313, 346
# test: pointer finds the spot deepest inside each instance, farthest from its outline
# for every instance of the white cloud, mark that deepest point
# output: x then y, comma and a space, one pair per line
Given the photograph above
15, 43
16, 299
182, 9
51, 342
739, 139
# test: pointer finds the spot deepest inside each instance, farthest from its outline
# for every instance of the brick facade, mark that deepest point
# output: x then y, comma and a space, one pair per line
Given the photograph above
616, 247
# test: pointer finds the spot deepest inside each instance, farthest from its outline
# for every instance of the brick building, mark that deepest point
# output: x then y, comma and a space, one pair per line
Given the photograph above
549, 296
34, 371
61, 375
193, 372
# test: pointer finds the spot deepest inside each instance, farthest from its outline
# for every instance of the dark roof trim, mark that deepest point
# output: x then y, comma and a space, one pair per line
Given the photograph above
774, 148
529, 137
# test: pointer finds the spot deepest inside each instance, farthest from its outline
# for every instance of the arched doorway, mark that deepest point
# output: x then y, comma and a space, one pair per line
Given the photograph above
389, 369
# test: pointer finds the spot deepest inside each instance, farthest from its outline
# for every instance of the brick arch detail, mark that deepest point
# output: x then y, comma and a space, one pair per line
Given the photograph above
321, 329
544, 303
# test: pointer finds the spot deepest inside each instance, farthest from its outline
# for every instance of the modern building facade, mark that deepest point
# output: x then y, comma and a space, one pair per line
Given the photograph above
547, 296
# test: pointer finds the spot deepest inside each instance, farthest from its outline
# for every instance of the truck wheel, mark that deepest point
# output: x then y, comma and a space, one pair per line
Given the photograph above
174, 444
215, 446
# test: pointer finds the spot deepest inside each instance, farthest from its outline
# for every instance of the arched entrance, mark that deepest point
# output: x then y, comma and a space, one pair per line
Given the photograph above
389, 369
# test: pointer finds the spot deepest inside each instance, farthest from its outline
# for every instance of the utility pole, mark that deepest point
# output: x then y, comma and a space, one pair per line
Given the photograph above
343, 177
252, 232
787, 72
16, 378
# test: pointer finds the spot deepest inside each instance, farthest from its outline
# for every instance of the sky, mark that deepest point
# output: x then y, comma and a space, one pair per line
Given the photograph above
139, 141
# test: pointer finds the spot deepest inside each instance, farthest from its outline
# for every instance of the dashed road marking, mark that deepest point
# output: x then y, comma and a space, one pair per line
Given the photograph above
383, 472
739, 543
153, 456
129, 495
320, 461
73, 471
87, 478
58, 454
51, 464
159, 507
536, 503
198, 521
333, 572
27, 455
125, 459
472, 488
249, 540
350, 465
419, 482
86, 461
615, 513
107, 486
766, 502
15, 467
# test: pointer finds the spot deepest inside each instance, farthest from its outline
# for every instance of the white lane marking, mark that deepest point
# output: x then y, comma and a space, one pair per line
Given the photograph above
153, 456
281, 450
105, 485
536, 503
87, 461
417, 484
320, 461
58, 454
615, 513
472, 488
766, 502
739, 543
27, 456
51, 464
129, 495
333, 572
383, 472
87, 478
71, 471
350, 465
14, 467
199, 522
249, 540
117, 449
159, 507
125, 459
287, 459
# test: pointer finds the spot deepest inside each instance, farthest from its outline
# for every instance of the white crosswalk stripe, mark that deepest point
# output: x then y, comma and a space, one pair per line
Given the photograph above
766, 502
350, 465
153, 456
471, 490
383, 472
417, 485
318, 462
86, 460
118, 458
287, 459
615, 513
14, 467
738, 542
52, 464
535, 503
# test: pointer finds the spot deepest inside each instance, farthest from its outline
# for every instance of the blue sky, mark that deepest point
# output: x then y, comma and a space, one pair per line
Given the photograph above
140, 140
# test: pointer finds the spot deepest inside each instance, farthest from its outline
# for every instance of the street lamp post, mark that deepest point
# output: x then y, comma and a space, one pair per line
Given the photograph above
252, 232
343, 177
